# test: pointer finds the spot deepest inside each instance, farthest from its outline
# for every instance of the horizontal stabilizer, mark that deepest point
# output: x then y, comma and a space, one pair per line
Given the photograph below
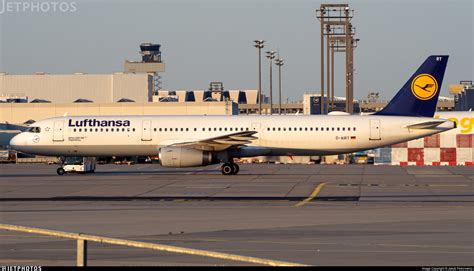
426, 125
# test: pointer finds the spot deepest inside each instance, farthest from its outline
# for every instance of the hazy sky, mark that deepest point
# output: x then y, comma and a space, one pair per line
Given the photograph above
212, 40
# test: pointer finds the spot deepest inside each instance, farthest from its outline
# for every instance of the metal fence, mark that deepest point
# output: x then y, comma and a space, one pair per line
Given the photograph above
82, 240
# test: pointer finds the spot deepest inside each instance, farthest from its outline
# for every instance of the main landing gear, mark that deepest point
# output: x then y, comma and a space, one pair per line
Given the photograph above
230, 169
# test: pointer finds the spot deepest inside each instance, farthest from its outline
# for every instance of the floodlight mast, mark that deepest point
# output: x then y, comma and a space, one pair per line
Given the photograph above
259, 45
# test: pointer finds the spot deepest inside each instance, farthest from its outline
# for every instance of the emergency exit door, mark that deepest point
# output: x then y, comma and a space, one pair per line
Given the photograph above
146, 130
375, 129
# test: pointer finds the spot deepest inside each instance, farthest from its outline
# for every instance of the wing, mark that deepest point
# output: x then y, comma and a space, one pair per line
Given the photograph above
219, 143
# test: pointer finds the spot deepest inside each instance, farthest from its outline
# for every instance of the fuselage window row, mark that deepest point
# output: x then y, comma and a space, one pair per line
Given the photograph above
220, 129
310, 129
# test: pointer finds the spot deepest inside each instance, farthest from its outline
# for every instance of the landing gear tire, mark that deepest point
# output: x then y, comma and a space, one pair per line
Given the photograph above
229, 169
60, 171
236, 168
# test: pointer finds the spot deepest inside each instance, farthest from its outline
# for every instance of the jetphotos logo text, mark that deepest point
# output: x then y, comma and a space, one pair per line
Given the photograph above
7, 6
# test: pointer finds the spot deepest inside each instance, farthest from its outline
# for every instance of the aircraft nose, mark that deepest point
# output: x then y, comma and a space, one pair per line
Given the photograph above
18, 141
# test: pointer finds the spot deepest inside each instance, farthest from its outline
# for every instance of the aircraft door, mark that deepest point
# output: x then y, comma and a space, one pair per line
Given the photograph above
375, 129
146, 130
58, 133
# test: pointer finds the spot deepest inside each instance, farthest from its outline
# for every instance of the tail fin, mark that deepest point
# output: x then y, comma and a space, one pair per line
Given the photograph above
419, 95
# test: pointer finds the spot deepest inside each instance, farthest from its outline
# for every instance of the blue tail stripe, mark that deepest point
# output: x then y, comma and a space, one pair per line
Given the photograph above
406, 103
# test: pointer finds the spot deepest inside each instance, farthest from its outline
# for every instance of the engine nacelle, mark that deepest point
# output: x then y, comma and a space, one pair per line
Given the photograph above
185, 157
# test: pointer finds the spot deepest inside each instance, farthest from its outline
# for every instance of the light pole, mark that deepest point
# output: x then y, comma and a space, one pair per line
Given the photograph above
279, 63
271, 56
259, 45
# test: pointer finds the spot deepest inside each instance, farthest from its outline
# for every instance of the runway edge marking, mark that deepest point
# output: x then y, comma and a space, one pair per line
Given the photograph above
312, 196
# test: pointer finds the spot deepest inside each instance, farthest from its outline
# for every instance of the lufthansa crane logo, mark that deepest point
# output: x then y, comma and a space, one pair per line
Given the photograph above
424, 86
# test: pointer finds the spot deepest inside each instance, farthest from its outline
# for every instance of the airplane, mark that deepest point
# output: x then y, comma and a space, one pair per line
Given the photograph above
192, 141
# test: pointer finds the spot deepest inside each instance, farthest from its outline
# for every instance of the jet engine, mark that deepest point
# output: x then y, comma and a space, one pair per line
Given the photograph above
185, 157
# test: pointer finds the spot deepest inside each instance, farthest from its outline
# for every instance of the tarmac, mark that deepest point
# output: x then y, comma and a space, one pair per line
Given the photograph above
307, 214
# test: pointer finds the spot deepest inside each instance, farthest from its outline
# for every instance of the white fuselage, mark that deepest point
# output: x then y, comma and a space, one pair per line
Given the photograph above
276, 135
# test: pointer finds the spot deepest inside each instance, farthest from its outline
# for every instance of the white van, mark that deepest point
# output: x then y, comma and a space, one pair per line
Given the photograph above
77, 164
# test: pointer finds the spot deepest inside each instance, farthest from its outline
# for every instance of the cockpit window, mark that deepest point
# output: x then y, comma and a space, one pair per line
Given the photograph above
34, 130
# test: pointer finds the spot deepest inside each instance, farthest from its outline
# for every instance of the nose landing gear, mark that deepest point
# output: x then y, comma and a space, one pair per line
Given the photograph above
230, 169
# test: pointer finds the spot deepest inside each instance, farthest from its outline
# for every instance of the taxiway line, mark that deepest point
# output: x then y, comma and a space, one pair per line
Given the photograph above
312, 196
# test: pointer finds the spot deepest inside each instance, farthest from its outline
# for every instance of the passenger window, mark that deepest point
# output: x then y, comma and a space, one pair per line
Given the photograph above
101, 129
113, 129
273, 128
80, 130
159, 129
74, 129
289, 129
96, 129
215, 129
306, 128
348, 128
343, 128
128, 129
187, 129
338, 128
279, 129
332, 128
247, 128
311, 128
268, 129
353, 129
85, 129
327, 128
182, 129
301, 129
133, 129
220, 128
316, 129
106, 129
284, 129
154, 130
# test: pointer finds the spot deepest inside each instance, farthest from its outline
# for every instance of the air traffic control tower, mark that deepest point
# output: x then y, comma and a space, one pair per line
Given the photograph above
151, 64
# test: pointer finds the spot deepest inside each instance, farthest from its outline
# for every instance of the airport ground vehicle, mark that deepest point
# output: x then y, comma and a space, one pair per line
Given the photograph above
7, 156
77, 164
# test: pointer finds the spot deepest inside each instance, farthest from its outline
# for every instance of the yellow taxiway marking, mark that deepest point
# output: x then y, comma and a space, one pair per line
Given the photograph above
312, 196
